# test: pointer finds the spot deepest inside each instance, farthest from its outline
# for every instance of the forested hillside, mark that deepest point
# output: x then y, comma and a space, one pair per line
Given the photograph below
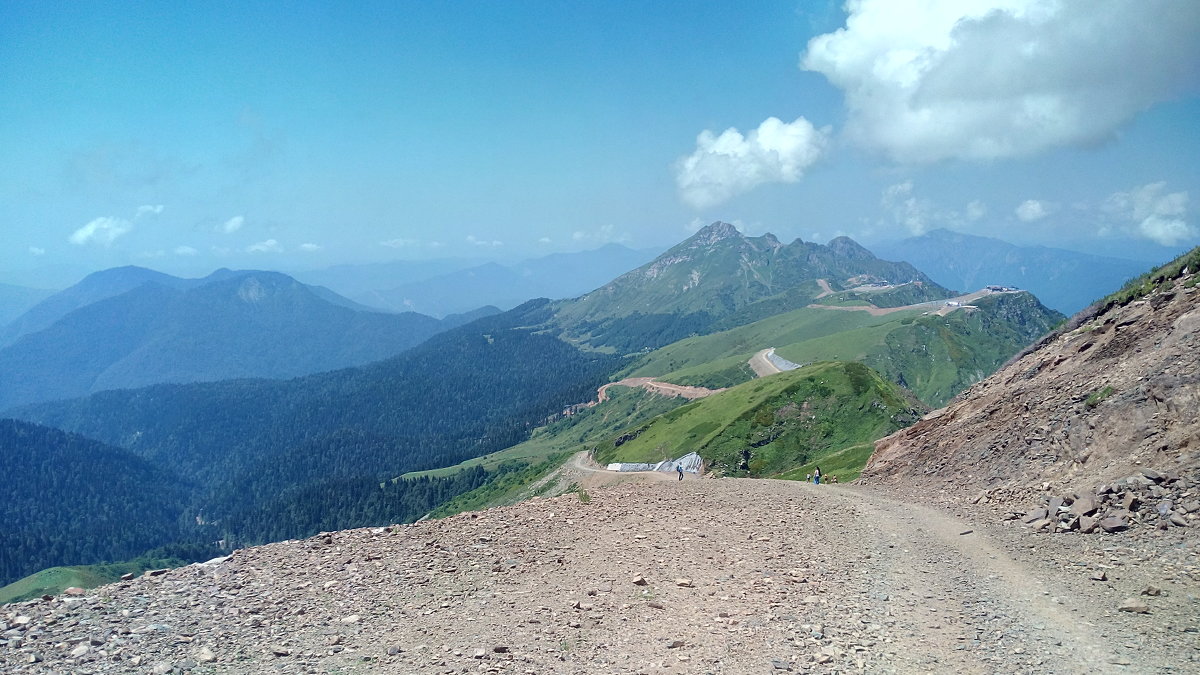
69, 499
296, 447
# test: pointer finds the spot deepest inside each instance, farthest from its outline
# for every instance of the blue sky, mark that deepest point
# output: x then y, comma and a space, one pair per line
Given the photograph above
191, 136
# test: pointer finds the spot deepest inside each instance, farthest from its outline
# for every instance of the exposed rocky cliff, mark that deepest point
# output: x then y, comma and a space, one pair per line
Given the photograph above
1115, 393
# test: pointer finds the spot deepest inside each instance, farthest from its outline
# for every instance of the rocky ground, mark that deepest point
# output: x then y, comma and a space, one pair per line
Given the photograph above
699, 576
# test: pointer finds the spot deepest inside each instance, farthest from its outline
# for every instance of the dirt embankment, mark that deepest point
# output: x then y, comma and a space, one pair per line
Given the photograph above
1093, 405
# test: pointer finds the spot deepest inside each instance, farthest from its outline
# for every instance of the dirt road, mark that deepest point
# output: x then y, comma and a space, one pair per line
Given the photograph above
942, 307
653, 385
761, 364
699, 576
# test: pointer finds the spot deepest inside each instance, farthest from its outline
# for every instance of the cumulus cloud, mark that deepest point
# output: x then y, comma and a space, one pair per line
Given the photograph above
985, 79
906, 209
149, 210
724, 166
37, 250
472, 239
1153, 213
185, 250
544, 240
268, 246
233, 224
104, 230
309, 246
1031, 210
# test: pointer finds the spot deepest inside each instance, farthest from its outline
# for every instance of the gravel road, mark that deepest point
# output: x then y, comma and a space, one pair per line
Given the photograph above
698, 576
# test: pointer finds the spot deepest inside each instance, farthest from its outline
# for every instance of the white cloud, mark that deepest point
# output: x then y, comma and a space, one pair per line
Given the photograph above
104, 230
233, 224
185, 250
976, 210
268, 246
472, 239
37, 250
1031, 210
927, 80
399, 242
728, 165
605, 234
1152, 213
907, 209
544, 240
148, 210
309, 246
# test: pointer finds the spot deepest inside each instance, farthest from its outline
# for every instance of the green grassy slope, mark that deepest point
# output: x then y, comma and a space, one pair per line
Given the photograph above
935, 356
55, 580
771, 426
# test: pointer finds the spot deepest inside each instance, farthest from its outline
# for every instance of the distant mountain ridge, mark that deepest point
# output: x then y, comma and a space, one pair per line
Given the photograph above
1063, 280
559, 275
165, 329
720, 274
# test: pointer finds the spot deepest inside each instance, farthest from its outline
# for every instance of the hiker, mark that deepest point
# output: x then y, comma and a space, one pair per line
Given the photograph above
808, 477
817, 476
679, 468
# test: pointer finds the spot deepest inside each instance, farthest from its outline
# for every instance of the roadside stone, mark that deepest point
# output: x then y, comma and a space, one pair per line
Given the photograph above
639, 580
1113, 524
205, 655
683, 583
1134, 606
1099, 575
1084, 506
279, 650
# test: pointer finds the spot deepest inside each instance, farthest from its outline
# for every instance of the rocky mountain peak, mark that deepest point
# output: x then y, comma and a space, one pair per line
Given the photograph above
712, 234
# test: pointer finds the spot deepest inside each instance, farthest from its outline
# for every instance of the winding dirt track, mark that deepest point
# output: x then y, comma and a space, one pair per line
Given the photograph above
653, 385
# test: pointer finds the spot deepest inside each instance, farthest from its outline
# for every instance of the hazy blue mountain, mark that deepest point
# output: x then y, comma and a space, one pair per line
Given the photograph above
229, 325
94, 287
559, 275
16, 300
1063, 280
361, 280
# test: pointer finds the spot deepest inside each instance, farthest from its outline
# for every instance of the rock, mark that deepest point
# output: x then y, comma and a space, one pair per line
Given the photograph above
353, 618
1178, 520
501, 649
128, 576
1134, 606
639, 580
1129, 502
1054, 505
1113, 524
279, 650
1164, 508
74, 591
1087, 524
205, 655
780, 665
1099, 575
675, 644
1152, 591
157, 573
79, 651
162, 668
1152, 475
1084, 506
683, 583
479, 653
1034, 516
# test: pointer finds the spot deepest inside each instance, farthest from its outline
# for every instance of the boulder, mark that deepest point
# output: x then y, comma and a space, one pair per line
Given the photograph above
1084, 506
1135, 606
1113, 524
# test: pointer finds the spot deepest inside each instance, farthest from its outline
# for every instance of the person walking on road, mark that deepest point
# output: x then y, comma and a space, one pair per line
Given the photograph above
817, 476
679, 468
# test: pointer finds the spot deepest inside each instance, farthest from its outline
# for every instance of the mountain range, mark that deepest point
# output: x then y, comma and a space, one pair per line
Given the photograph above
448, 286
131, 327
1064, 280
277, 458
